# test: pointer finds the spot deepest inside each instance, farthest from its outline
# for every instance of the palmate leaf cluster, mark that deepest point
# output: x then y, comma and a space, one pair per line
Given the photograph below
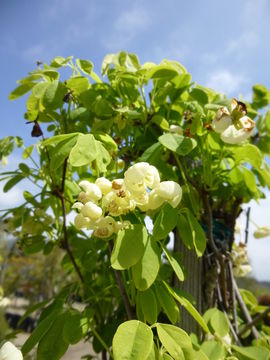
85, 124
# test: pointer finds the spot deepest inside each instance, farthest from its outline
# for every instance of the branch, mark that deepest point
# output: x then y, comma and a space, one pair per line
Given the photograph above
247, 225
60, 194
257, 319
245, 311
122, 288
231, 277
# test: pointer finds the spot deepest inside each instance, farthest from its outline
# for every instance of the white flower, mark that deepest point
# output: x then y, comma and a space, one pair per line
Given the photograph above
4, 302
154, 202
82, 222
105, 227
262, 231
170, 191
118, 202
9, 352
176, 129
140, 176
247, 123
119, 225
91, 210
92, 191
77, 205
242, 270
104, 184
222, 120
234, 136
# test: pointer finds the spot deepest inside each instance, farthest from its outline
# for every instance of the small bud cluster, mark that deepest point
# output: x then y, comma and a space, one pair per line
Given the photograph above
141, 188
241, 266
233, 126
261, 232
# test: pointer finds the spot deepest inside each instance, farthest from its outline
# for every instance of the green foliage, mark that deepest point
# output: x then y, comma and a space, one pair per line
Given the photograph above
101, 127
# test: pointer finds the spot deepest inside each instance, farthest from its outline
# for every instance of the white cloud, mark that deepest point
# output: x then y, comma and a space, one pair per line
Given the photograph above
225, 81
126, 27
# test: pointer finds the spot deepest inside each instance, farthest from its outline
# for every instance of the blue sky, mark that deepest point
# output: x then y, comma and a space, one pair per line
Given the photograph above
225, 45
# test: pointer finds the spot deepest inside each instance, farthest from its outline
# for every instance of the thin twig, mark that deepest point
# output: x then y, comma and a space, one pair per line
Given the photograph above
247, 225
122, 288
234, 334
244, 310
65, 243
231, 278
257, 319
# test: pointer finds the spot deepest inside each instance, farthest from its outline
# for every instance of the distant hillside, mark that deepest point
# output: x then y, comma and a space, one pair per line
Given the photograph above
257, 287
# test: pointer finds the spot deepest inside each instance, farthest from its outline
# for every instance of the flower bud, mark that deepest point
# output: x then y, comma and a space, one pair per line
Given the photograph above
91, 210
171, 192
104, 184
140, 176
78, 205
155, 200
261, 231
92, 191
176, 129
9, 352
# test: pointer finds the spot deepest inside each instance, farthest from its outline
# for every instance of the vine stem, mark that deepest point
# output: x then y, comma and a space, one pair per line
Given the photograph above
102, 342
256, 319
231, 277
247, 225
122, 288
65, 243
245, 311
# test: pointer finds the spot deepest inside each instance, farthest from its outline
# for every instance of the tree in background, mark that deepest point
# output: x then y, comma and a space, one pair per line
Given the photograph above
143, 145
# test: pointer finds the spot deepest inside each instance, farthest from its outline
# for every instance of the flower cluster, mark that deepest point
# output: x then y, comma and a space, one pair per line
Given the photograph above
103, 200
233, 126
241, 266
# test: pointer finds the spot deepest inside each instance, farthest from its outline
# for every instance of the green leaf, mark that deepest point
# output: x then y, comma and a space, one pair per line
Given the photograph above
165, 222
174, 264
54, 140
40, 330
61, 151
85, 65
161, 72
78, 84
84, 152
219, 323
152, 154
148, 305
249, 153
167, 302
53, 95
103, 108
133, 340
107, 140
52, 345
198, 234
250, 179
160, 121
75, 328
251, 352
129, 247
103, 158
199, 95
185, 231
21, 90
12, 182
28, 151
179, 144
189, 307
80, 113
213, 349
176, 341
145, 271
39, 89
59, 61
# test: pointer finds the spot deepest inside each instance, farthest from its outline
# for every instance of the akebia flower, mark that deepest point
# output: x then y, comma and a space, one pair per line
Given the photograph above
91, 210
104, 184
176, 129
9, 352
83, 222
91, 192
140, 176
234, 127
262, 231
167, 191
222, 120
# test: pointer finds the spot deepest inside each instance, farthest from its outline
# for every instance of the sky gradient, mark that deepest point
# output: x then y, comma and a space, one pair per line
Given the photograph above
222, 44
